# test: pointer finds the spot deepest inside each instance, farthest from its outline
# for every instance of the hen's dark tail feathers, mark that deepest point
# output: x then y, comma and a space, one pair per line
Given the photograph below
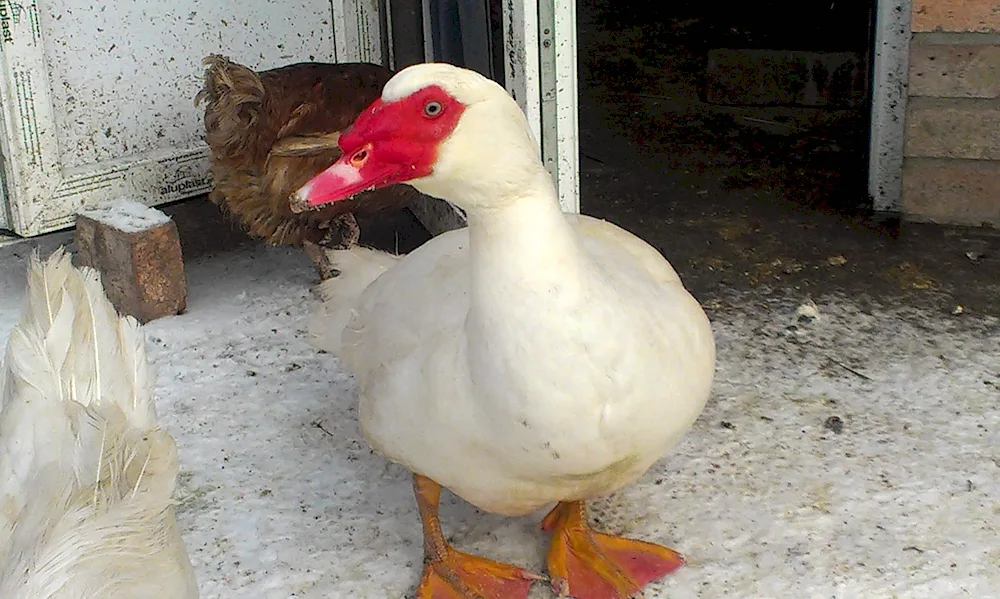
234, 96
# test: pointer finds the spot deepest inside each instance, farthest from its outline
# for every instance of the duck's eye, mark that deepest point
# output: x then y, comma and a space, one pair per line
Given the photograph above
433, 109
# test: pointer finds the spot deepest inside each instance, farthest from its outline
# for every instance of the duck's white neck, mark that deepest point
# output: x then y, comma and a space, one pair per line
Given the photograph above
526, 241
527, 276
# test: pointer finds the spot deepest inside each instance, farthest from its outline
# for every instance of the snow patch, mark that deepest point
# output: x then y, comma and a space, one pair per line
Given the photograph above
128, 216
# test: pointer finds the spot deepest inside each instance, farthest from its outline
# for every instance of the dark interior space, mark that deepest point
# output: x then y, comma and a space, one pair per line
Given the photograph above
644, 68
759, 199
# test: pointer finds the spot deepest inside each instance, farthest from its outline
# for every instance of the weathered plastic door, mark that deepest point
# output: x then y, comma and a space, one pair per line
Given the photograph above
97, 95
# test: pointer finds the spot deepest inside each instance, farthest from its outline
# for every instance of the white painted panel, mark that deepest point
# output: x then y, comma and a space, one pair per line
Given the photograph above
95, 109
558, 92
890, 75
357, 30
520, 39
540, 68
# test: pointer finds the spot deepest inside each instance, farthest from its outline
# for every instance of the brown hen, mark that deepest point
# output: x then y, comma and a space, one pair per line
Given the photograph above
271, 131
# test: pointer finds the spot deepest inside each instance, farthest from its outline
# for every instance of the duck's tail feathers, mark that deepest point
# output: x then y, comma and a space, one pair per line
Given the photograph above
359, 267
72, 345
82, 459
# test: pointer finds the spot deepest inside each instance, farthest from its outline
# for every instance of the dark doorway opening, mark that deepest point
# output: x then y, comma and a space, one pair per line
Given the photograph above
648, 72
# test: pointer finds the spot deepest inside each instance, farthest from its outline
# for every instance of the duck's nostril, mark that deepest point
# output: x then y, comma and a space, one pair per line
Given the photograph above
360, 157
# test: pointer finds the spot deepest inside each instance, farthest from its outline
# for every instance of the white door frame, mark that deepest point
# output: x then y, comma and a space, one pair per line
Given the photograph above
541, 74
539, 38
888, 117
357, 31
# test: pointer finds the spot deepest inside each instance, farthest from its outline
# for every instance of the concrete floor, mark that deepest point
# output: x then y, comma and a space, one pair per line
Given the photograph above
849, 449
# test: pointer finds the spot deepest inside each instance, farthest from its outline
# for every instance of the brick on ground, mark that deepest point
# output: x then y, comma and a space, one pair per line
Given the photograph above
137, 250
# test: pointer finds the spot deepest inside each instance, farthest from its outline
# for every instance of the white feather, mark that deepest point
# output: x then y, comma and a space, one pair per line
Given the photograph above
359, 267
86, 474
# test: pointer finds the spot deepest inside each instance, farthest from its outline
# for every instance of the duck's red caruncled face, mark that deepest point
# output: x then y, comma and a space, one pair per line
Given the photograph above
389, 143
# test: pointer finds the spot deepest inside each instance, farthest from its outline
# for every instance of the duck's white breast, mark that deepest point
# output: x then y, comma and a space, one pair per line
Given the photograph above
573, 401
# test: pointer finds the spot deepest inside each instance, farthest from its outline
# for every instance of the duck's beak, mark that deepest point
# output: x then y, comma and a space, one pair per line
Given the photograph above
352, 174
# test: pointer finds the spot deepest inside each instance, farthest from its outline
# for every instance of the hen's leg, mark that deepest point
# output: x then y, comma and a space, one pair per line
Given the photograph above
450, 574
586, 564
319, 259
343, 234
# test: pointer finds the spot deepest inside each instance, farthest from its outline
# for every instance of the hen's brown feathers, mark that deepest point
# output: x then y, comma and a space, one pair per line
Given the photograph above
270, 132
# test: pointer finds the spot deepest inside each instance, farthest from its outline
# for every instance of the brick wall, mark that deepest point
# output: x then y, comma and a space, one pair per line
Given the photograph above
951, 172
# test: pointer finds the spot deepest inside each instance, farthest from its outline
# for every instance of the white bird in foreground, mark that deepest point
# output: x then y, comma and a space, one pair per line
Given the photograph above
532, 357
86, 474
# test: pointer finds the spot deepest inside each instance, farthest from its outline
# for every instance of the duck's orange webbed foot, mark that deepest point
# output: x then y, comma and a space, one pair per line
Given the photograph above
585, 564
456, 575
451, 574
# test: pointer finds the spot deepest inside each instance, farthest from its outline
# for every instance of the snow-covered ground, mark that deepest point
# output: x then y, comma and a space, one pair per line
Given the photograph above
853, 456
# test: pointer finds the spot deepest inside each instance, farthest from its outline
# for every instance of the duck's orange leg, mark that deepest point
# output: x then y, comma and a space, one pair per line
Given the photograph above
585, 564
450, 574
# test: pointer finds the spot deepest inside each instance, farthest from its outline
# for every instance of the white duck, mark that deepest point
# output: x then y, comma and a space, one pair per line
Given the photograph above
532, 357
86, 474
